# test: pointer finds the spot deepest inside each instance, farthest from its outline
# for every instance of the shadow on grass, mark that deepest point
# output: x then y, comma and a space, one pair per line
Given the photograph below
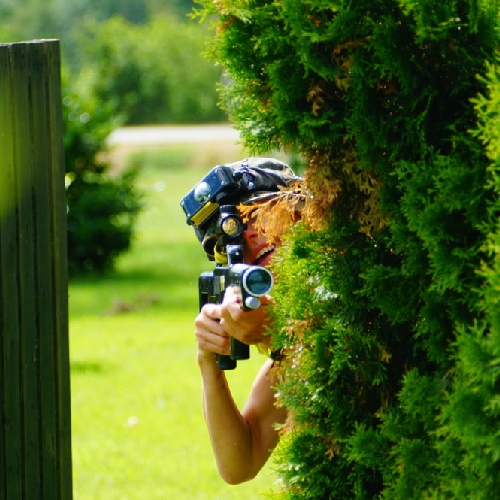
132, 277
86, 367
137, 289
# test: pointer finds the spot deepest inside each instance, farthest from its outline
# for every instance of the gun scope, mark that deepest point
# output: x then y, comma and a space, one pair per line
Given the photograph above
255, 282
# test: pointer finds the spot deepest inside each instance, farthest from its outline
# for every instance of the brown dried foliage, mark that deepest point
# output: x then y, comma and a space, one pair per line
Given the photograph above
333, 182
336, 183
317, 100
342, 58
278, 214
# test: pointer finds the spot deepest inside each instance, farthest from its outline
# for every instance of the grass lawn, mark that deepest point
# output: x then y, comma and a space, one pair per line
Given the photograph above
137, 422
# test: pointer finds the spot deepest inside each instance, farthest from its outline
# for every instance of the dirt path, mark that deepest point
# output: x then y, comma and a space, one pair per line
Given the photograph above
210, 143
173, 134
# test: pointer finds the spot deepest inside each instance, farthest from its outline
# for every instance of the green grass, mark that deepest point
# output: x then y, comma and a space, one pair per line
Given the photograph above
137, 423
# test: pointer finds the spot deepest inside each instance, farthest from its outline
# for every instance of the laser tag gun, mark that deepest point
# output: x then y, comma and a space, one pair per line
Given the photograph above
252, 281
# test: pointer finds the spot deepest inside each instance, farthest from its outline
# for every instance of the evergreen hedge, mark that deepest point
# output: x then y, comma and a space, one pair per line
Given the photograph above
388, 293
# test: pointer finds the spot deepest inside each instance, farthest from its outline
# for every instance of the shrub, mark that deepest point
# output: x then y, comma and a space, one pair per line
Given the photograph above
101, 207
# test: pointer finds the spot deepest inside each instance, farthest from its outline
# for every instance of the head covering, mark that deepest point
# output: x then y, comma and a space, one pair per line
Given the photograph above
242, 182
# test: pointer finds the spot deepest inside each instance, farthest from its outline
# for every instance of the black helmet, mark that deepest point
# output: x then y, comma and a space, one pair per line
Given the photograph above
241, 182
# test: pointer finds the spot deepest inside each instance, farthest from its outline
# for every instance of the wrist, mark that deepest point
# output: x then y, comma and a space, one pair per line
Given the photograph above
207, 359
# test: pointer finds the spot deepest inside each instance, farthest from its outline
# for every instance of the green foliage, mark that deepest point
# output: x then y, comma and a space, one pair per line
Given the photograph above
470, 421
345, 369
390, 309
28, 19
101, 207
145, 56
155, 71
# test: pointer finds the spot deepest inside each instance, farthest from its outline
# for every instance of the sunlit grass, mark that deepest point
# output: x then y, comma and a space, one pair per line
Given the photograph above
137, 423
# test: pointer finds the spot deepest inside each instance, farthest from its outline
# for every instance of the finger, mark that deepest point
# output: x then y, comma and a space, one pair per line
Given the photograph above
232, 295
212, 310
208, 341
206, 327
229, 326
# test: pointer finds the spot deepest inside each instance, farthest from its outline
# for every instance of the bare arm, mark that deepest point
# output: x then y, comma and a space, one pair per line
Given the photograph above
241, 441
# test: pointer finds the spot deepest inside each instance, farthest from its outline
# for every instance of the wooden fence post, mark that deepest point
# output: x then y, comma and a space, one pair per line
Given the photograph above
35, 414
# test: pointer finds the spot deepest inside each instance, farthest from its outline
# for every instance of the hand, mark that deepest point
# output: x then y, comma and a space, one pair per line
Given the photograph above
216, 322
211, 337
247, 326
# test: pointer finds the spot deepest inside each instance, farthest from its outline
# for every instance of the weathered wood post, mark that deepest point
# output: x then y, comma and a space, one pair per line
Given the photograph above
35, 423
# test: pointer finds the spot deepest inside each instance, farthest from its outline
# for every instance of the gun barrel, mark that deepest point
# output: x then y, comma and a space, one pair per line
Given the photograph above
252, 303
253, 281
257, 281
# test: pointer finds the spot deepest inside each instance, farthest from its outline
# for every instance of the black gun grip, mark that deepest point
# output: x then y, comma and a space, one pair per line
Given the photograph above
225, 362
239, 350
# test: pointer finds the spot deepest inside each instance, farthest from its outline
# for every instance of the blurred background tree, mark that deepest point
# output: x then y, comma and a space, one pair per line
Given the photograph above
153, 72
145, 56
